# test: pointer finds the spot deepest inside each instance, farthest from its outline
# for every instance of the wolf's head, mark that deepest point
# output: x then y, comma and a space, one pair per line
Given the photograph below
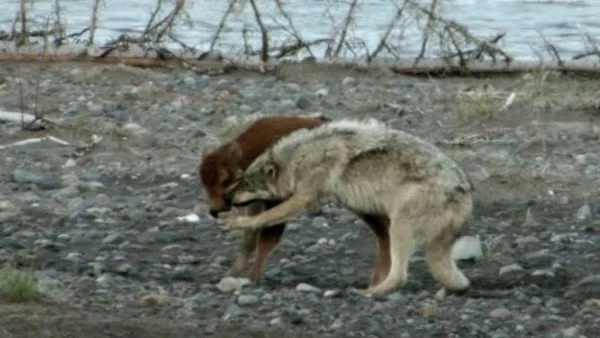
258, 182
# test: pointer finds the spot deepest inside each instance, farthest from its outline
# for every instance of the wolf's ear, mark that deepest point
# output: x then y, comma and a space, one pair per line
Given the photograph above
270, 169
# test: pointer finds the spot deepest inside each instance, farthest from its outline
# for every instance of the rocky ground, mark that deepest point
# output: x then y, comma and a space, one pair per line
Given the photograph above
100, 224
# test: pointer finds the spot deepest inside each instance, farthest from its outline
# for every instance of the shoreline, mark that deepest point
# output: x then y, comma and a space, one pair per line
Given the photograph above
215, 64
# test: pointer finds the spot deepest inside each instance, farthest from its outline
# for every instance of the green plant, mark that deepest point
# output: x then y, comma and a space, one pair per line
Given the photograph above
18, 285
476, 108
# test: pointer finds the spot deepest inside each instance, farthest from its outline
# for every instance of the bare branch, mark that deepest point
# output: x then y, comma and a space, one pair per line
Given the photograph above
169, 20
93, 22
388, 31
452, 28
58, 27
23, 38
592, 49
215, 38
428, 27
263, 31
294, 31
13, 29
552, 50
152, 17
347, 21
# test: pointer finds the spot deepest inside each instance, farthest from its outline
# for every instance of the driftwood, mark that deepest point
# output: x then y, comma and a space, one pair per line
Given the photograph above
437, 68
17, 117
129, 61
37, 140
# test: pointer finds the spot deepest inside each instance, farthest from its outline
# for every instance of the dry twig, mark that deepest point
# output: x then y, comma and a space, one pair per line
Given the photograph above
552, 50
300, 44
428, 27
383, 41
592, 48
263, 32
59, 30
453, 30
23, 38
93, 22
349, 18
215, 38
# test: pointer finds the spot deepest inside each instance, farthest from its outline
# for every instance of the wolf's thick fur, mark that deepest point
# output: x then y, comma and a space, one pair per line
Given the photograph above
405, 188
220, 168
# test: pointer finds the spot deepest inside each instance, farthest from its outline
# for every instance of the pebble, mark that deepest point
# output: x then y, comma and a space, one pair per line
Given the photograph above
584, 213
500, 313
183, 272
230, 284
588, 287
153, 300
331, 293
74, 257
322, 93
511, 269
293, 87
124, 268
276, 321
104, 280
467, 247
187, 259
233, 311
6, 205
245, 300
526, 240
569, 332
303, 287
303, 103
539, 259
47, 181
349, 81
112, 238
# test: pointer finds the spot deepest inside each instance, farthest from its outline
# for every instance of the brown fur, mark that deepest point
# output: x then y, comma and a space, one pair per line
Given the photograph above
220, 168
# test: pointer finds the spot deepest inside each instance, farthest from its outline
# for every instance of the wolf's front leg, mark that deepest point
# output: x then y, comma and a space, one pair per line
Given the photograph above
278, 214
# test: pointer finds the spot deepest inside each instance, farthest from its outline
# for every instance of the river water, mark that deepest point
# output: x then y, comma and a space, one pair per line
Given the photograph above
565, 23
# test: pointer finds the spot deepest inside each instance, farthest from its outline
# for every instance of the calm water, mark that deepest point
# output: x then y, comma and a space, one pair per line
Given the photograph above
563, 22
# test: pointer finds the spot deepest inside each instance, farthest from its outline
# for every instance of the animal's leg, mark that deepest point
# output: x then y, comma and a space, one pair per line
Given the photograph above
267, 240
276, 215
246, 249
379, 225
250, 239
402, 245
442, 265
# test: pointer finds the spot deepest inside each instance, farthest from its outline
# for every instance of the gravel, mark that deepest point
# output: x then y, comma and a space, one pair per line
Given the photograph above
108, 225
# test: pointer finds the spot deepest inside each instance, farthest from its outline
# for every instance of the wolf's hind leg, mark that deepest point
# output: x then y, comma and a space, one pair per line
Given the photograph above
379, 225
402, 246
441, 264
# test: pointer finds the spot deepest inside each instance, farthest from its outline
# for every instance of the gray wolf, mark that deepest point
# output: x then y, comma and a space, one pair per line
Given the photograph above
219, 168
406, 189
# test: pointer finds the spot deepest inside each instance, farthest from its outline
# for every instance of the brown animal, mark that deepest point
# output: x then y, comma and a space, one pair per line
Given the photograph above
220, 168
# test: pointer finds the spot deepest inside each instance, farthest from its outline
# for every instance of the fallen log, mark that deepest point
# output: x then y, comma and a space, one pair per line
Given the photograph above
425, 68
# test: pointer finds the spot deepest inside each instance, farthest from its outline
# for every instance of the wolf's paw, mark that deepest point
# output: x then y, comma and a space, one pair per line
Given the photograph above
230, 221
362, 292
